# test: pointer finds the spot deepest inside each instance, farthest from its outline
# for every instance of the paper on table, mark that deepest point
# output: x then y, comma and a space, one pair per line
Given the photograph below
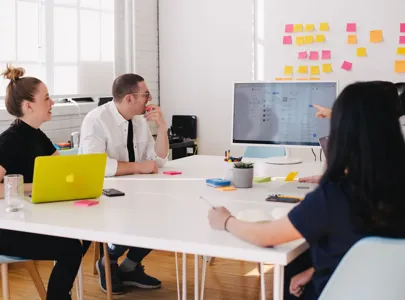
326, 54
361, 52
309, 27
303, 69
297, 27
315, 70
302, 55
352, 39
313, 55
347, 66
320, 38
324, 26
376, 36
288, 70
287, 40
309, 39
351, 27
327, 68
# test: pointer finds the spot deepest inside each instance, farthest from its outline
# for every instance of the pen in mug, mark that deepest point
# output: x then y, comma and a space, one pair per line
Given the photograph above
206, 201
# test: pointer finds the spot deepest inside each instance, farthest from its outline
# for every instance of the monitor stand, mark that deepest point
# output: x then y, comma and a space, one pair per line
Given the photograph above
283, 160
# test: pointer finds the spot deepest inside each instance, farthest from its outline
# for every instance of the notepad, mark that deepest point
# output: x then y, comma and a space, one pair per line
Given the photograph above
85, 203
226, 189
172, 172
291, 176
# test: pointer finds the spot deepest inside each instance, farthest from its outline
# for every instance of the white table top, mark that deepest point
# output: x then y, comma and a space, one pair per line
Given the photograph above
165, 214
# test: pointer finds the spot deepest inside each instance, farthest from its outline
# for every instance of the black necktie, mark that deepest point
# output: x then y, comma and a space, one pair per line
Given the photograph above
130, 142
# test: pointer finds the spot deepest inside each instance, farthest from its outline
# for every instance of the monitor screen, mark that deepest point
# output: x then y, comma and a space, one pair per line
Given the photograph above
281, 113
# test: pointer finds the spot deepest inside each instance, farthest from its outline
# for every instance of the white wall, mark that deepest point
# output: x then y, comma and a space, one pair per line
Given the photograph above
205, 45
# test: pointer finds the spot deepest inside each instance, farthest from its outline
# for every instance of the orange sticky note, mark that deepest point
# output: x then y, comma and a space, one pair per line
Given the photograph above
324, 26
226, 188
361, 52
291, 176
288, 78
352, 39
376, 36
400, 66
314, 78
303, 69
309, 39
309, 27
288, 70
299, 40
401, 51
327, 68
315, 70
297, 27
302, 79
320, 38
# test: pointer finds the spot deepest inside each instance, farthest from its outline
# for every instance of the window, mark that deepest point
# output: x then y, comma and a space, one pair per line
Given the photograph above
69, 44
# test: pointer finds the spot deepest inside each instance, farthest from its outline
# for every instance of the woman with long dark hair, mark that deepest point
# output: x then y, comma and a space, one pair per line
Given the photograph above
360, 194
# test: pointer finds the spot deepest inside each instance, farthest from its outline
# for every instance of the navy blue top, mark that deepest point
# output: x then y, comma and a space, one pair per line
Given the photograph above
323, 219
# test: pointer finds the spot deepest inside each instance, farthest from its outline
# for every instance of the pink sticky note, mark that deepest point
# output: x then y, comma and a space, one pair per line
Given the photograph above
86, 203
289, 28
351, 27
326, 54
172, 173
402, 27
302, 55
347, 66
313, 55
402, 39
287, 40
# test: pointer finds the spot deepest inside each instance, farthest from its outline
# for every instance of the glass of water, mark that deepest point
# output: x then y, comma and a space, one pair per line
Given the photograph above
14, 192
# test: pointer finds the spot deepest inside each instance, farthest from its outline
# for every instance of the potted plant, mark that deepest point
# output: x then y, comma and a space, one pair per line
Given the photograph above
243, 175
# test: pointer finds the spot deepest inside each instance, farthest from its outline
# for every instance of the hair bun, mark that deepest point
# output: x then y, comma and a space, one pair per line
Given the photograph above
13, 73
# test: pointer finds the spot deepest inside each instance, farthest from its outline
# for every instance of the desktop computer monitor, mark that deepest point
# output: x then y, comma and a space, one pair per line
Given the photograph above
281, 114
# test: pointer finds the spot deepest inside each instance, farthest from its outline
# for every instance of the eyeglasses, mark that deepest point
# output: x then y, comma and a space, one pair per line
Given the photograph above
147, 94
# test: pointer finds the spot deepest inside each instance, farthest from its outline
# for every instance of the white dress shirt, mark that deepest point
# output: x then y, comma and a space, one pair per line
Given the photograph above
104, 130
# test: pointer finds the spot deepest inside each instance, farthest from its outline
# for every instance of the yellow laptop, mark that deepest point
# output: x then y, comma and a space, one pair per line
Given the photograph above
73, 177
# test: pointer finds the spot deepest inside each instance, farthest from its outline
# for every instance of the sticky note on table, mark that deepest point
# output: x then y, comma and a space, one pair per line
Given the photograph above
302, 55
299, 40
291, 176
400, 66
297, 27
320, 38
309, 39
402, 27
314, 78
287, 40
315, 70
327, 68
376, 36
351, 27
326, 54
289, 28
324, 26
352, 39
313, 55
401, 50
347, 65
226, 188
288, 70
85, 203
361, 52
309, 27
402, 39
303, 69
172, 173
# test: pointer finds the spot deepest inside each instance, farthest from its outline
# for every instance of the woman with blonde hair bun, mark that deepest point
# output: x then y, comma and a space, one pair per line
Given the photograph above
27, 99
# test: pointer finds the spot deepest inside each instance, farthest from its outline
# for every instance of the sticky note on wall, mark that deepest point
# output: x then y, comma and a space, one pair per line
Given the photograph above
302, 55
327, 68
309, 27
309, 39
361, 52
303, 69
288, 70
324, 26
313, 55
347, 65
287, 40
326, 54
400, 66
401, 50
351, 27
352, 39
376, 36
297, 27
299, 40
289, 28
320, 38
315, 70
402, 27
402, 39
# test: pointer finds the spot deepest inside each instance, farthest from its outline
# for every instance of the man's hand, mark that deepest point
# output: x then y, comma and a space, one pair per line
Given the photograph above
147, 167
299, 281
322, 112
153, 113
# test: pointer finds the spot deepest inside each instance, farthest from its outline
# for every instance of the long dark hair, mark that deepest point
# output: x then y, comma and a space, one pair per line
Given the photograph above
401, 92
366, 149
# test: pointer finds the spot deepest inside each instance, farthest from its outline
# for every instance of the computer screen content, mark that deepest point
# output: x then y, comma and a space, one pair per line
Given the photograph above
281, 113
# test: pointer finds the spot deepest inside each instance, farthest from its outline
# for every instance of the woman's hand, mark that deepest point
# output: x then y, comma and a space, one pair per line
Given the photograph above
299, 281
218, 216
311, 179
322, 112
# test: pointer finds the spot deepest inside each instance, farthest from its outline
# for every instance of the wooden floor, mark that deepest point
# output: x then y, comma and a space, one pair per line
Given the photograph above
225, 279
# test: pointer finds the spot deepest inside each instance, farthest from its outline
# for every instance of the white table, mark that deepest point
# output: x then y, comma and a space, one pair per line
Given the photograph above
166, 215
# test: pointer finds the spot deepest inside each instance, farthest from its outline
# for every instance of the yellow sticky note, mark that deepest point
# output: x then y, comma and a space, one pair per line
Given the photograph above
314, 78
303, 69
299, 40
291, 176
401, 51
309, 39
327, 68
376, 36
324, 26
297, 27
361, 52
400, 66
315, 70
352, 39
288, 70
309, 27
226, 188
320, 38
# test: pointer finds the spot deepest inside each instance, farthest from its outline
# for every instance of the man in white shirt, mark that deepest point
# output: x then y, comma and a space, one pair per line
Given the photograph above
120, 129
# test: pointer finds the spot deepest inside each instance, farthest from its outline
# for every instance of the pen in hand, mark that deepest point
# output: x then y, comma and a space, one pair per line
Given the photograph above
206, 201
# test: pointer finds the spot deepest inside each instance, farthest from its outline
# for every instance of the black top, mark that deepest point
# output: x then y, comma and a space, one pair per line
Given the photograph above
324, 219
20, 144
